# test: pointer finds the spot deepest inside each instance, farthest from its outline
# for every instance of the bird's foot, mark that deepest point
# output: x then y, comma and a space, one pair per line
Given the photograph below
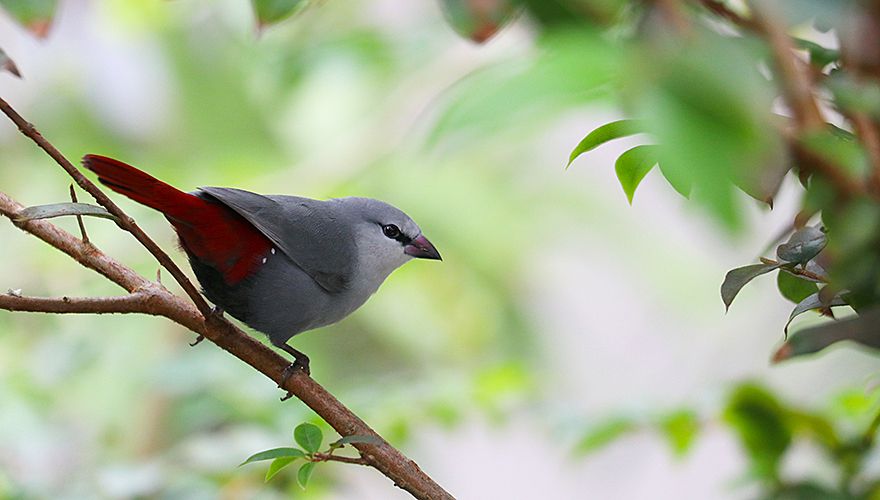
216, 313
197, 341
299, 363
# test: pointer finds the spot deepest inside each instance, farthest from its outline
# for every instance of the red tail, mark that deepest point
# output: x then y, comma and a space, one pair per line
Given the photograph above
143, 188
208, 230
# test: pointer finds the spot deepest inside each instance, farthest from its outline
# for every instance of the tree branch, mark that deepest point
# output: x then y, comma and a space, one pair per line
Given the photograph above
138, 302
405, 473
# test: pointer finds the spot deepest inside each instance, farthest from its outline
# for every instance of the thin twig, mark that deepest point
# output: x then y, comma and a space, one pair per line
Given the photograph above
796, 270
329, 457
79, 219
138, 302
721, 9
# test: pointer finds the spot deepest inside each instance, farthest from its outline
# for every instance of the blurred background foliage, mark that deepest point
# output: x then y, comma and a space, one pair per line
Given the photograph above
566, 338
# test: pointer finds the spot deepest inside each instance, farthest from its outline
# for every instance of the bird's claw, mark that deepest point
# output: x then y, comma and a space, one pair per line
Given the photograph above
298, 364
197, 341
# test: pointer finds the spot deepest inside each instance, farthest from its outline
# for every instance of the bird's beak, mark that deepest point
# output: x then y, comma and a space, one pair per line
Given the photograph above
421, 248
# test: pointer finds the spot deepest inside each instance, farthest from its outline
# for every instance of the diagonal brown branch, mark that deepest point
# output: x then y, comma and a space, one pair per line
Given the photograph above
405, 473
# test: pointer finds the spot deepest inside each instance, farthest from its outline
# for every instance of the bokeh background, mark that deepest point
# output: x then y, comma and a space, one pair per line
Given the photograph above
558, 309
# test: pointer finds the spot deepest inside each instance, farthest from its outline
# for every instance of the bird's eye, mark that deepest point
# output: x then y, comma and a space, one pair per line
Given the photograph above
391, 231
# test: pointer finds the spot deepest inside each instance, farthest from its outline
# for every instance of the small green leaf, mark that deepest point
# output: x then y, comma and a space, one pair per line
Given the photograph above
813, 301
356, 438
278, 464
794, 288
861, 329
305, 472
739, 277
803, 245
273, 11
604, 434
62, 209
478, 20
632, 166
603, 134
274, 453
762, 425
819, 55
35, 15
309, 436
680, 429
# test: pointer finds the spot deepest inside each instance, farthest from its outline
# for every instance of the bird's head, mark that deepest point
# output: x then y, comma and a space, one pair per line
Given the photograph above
386, 237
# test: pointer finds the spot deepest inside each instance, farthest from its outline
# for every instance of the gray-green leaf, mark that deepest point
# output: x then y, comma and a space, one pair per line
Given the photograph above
305, 472
861, 329
603, 134
739, 277
632, 166
278, 464
275, 453
803, 245
810, 303
62, 209
309, 436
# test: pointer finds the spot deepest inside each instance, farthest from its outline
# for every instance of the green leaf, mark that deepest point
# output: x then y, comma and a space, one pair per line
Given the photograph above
813, 301
273, 11
35, 15
762, 426
739, 277
803, 245
680, 429
479, 20
819, 55
604, 434
356, 438
7, 64
861, 329
274, 453
603, 134
309, 436
62, 209
794, 288
632, 166
278, 464
304, 474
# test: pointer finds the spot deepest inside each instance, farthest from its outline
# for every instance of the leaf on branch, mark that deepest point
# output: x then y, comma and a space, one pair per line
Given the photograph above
803, 245
278, 464
632, 166
739, 277
309, 436
35, 15
479, 20
603, 134
305, 473
863, 329
292, 453
62, 209
795, 288
680, 429
272, 11
762, 425
812, 302
7, 64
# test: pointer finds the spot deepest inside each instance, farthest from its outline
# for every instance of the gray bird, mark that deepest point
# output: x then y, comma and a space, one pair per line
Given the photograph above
280, 264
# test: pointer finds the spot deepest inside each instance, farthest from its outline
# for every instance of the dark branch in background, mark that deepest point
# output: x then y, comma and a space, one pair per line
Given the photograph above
152, 298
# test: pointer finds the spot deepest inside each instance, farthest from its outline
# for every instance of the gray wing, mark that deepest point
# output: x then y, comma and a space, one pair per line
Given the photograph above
305, 230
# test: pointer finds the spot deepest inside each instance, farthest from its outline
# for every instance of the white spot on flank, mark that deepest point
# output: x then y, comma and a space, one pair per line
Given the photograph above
273, 251
264, 260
